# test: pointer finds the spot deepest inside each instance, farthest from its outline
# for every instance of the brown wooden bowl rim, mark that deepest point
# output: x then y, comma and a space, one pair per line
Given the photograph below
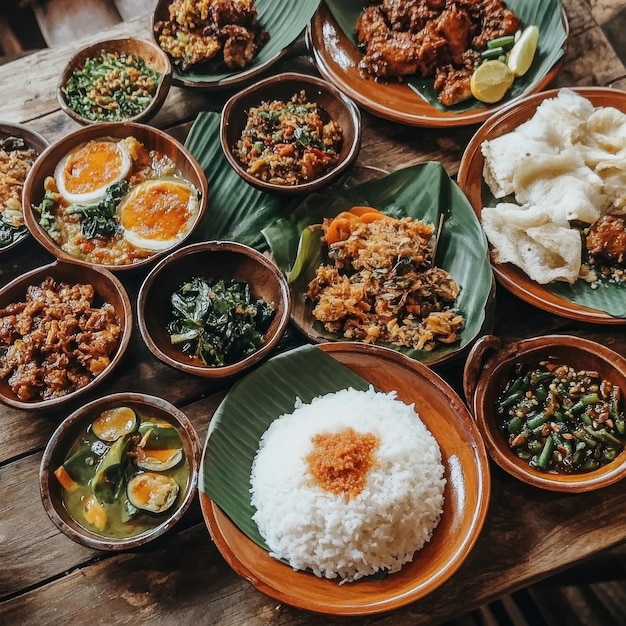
496, 444
117, 130
413, 110
365, 597
507, 275
37, 142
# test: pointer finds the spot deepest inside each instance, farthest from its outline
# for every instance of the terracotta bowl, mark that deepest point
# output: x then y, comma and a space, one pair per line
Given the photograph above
34, 141
154, 58
210, 260
470, 179
466, 495
282, 87
74, 426
489, 367
108, 289
152, 138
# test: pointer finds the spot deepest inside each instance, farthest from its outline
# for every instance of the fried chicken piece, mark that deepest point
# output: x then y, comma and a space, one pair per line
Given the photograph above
218, 31
372, 22
240, 46
454, 83
413, 15
497, 21
457, 28
392, 54
607, 238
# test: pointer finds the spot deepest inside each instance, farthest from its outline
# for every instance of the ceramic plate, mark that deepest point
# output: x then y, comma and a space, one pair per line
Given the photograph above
330, 37
306, 372
423, 191
284, 21
578, 301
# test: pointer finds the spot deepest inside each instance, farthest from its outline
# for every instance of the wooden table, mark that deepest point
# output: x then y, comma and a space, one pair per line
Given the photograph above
45, 578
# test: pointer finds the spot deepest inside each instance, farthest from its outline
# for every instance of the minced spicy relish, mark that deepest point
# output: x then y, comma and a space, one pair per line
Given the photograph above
340, 461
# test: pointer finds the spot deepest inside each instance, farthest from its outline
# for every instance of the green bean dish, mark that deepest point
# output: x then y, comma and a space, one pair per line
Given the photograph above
561, 420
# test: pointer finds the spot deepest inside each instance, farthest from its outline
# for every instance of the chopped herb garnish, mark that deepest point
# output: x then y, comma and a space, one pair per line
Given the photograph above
98, 220
46, 218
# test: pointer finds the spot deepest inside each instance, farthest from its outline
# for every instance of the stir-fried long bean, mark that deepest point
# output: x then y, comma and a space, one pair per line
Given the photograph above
563, 420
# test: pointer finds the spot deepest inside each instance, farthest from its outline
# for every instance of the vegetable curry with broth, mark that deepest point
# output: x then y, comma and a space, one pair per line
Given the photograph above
124, 473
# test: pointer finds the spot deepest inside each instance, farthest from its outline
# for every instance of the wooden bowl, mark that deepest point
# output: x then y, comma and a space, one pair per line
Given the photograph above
154, 58
470, 179
35, 141
282, 87
108, 289
466, 495
210, 260
75, 425
152, 138
489, 367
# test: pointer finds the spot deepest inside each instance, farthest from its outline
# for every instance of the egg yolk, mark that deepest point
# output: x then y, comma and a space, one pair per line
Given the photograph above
96, 164
159, 210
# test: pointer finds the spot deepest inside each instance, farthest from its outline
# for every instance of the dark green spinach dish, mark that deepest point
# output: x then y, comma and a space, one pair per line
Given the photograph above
220, 322
560, 419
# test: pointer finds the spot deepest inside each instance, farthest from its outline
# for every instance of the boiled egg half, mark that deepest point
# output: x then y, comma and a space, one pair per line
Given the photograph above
158, 214
83, 175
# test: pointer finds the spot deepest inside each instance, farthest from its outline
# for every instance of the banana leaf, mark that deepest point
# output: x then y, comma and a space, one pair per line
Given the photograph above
246, 413
423, 191
284, 21
546, 14
236, 211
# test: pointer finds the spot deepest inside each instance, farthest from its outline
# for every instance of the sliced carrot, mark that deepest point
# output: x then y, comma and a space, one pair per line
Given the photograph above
67, 482
361, 210
340, 227
368, 218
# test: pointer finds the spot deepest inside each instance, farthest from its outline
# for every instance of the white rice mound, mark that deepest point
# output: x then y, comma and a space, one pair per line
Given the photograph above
332, 535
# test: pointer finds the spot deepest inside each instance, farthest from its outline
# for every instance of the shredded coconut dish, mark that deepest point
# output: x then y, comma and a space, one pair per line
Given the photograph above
349, 485
380, 284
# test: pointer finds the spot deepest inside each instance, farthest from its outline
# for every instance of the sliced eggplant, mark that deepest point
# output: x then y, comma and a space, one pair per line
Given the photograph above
113, 423
152, 492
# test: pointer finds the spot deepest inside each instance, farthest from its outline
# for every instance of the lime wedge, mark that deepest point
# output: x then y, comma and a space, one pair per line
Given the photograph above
523, 51
490, 81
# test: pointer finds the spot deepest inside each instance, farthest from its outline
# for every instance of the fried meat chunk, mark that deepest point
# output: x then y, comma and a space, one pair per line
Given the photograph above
225, 32
56, 340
